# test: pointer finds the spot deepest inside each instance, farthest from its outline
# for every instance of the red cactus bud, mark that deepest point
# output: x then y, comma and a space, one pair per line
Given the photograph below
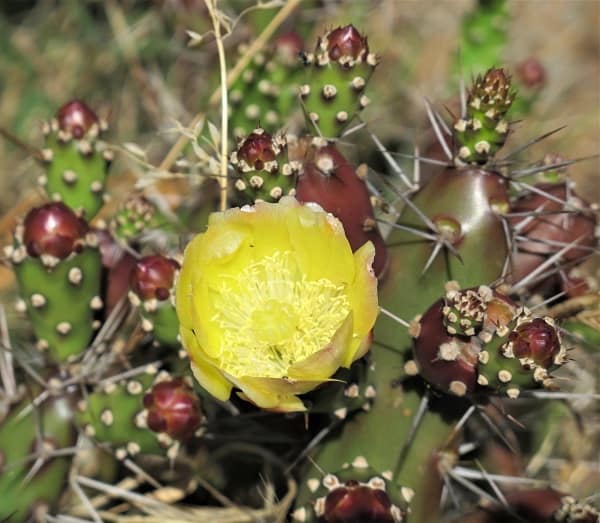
497, 79
537, 340
356, 503
332, 182
76, 117
153, 277
346, 41
288, 45
173, 408
53, 229
257, 149
531, 73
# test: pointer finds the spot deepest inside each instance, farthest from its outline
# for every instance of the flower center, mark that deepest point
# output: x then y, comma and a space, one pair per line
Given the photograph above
272, 316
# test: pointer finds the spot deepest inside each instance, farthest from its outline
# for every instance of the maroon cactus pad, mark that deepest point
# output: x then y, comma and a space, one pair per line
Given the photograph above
54, 230
153, 276
346, 42
531, 73
356, 503
537, 340
550, 231
256, 150
76, 118
445, 361
173, 408
332, 182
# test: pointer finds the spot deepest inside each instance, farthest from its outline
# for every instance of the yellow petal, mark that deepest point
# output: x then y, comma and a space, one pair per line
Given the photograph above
363, 291
273, 393
209, 376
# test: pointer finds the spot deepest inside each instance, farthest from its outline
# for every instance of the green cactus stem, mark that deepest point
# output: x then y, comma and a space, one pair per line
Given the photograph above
135, 217
483, 129
77, 164
264, 169
29, 438
337, 74
483, 37
58, 266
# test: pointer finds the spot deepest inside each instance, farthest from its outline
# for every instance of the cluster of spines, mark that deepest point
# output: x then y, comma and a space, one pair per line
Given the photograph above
355, 493
76, 163
478, 338
264, 169
56, 260
337, 74
483, 129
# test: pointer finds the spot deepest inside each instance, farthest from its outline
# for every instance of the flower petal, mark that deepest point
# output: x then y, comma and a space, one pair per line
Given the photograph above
363, 291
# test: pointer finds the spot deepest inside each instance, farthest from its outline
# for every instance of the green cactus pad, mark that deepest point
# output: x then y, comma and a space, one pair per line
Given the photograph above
25, 497
336, 78
115, 414
76, 170
62, 297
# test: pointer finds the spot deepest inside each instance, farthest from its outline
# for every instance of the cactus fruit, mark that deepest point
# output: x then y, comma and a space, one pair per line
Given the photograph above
173, 408
57, 264
264, 169
152, 280
328, 179
355, 494
480, 338
483, 129
336, 78
77, 164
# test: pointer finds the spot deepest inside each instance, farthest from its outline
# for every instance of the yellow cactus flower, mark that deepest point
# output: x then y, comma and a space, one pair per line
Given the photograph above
272, 301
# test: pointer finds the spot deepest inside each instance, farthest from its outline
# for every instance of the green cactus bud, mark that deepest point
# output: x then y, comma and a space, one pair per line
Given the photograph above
484, 129
337, 74
265, 171
77, 165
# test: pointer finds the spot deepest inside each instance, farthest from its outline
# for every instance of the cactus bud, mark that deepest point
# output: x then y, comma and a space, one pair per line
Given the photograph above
256, 150
356, 503
537, 340
76, 118
53, 229
153, 277
346, 42
288, 46
173, 408
531, 73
